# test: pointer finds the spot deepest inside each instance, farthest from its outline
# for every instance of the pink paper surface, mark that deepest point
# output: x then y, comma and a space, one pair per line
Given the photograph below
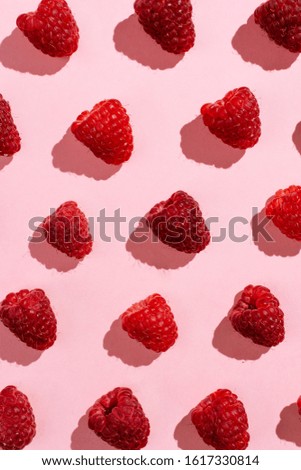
173, 151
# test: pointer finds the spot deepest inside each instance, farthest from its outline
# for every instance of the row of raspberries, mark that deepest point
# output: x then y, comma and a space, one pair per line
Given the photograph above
53, 29
256, 315
106, 129
118, 419
107, 132
177, 222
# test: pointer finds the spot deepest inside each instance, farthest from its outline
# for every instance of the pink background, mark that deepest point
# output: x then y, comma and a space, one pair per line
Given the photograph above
173, 151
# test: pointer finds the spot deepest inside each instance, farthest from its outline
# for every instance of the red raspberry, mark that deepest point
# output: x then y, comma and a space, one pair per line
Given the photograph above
284, 208
168, 22
234, 119
51, 28
10, 142
221, 421
67, 229
257, 316
119, 420
178, 222
106, 131
17, 421
281, 19
29, 316
152, 323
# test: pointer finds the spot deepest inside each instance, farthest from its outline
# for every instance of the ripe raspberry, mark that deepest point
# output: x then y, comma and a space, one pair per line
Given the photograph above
67, 229
17, 421
106, 131
152, 323
281, 19
234, 119
29, 316
178, 222
221, 421
10, 142
119, 420
284, 209
51, 28
257, 316
168, 22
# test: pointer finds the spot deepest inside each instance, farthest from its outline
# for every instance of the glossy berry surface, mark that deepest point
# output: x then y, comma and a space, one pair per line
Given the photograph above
67, 229
152, 323
178, 222
106, 131
28, 314
51, 28
257, 316
221, 421
284, 209
281, 19
168, 22
10, 142
17, 421
234, 119
119, 420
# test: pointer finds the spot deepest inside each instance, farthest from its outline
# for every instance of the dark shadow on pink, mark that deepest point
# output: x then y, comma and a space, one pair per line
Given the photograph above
272, 242
289, 426
70, 155
254, 45
15, 351
17, 53
153, 252
187, 436
200, 145
118, 344
84, 438
131, 40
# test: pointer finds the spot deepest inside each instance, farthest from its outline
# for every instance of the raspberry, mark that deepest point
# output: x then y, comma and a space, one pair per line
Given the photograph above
119, 420
17, 421
234, 119
257, 316
168, 22
284, 209
29, 316
152, 323
221, 421
67, 229
106, 131
281, 19
51, 28
178, 222
10, 142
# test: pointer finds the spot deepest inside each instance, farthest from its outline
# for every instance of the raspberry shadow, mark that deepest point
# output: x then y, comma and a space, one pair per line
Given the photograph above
4, 161
254, 45
84, 438
289, 426
70, 155
297, 137
49, 256
200, 145
153, 252
13, 350
187, 436
17, 53
232, 344
130, 39
118, 343
272, 242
